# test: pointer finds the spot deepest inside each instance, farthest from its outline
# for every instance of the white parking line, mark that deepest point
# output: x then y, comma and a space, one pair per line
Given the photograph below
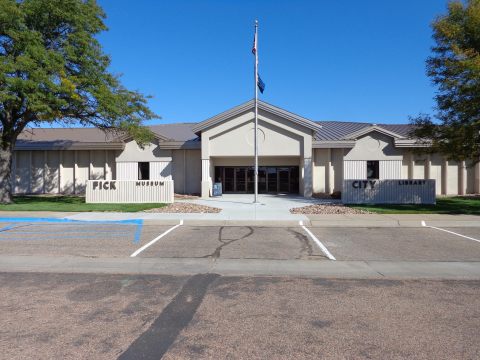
156, 239
318, 242
450, 232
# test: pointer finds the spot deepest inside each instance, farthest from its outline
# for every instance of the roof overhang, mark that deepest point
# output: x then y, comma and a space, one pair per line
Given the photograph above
412, 143
68, 145
355, 135
182, 145
157, 136
250, 105
333, 144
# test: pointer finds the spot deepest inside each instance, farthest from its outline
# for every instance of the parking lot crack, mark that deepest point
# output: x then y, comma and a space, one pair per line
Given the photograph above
306, 246
225, 242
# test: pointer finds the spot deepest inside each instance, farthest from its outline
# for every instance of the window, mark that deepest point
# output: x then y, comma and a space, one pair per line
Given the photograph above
372, 170
143, 171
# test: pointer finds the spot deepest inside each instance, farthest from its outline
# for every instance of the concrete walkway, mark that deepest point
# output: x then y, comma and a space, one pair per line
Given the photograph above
235, 207
437, 270
271, 210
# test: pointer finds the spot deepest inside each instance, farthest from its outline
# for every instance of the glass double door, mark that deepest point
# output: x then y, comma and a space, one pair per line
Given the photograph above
271, 179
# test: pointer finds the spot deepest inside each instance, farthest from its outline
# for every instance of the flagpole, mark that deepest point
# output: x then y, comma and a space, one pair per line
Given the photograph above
256, 113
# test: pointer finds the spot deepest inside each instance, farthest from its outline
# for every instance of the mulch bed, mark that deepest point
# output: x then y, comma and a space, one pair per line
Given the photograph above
327, 209
186, 197
183, 207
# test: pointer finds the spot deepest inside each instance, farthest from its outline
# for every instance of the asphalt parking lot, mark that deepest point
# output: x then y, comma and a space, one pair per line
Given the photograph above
400, 244
88, 316
74, 239
147, 240
204, 313
236, 242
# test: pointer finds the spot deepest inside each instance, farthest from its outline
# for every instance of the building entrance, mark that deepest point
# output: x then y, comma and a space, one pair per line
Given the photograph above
271, 179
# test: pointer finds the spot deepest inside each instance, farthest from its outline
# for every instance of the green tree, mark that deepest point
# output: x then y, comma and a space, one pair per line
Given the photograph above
454, 67
52, 69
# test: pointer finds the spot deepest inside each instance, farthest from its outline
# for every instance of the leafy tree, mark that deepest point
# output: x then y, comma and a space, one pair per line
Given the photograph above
455, 68
52, 69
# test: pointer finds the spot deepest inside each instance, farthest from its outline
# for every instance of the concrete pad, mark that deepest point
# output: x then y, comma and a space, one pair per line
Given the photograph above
42, 214
451, 270
327, 269
235, 242
396, 244
355, 223
245, 267
261, 223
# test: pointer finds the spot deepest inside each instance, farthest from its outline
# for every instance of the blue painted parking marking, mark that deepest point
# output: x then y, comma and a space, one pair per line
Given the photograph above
138, 232
6, 233
64, 220
8, 227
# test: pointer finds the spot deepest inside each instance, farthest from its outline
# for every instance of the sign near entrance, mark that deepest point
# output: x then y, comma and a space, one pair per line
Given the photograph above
129, 191
388, 191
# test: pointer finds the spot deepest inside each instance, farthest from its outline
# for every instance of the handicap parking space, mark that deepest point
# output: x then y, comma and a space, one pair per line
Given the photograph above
89, 239
235, 242
399, 244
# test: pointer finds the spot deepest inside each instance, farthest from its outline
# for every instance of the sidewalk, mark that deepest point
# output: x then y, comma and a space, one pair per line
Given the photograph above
235, 207
271, 210
405, 270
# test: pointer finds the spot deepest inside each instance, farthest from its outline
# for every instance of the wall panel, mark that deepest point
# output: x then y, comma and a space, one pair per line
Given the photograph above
127, 170
452, 178
68, 172
436, 163
98, 164
161, 170
355, 169
22, 178
82, 171
390, 169
51, 173
36, 176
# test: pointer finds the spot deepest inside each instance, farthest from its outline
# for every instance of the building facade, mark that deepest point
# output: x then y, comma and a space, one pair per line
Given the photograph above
296, 155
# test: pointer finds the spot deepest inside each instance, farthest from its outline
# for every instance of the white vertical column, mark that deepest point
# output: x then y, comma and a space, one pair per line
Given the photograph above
307, 177
411, 165
45, 169
444, 176
75, 171
29, 185
477, 178
206, 179
90, 165
428, 167
330, 178
462, 178
107, 171
60, 170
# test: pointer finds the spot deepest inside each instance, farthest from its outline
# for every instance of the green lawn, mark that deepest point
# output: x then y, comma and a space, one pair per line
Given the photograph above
445, 205
69, 203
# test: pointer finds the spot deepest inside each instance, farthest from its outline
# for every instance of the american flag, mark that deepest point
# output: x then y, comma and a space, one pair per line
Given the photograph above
254, 48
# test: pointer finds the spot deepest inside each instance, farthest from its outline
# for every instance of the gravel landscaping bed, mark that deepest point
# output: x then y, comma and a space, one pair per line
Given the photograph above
183, 207
327, 209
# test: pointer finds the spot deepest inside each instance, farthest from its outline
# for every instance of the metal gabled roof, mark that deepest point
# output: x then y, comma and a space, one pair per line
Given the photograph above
249, 105
340, 130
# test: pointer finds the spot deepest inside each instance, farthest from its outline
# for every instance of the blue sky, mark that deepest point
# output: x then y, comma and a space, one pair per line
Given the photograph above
325, 60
